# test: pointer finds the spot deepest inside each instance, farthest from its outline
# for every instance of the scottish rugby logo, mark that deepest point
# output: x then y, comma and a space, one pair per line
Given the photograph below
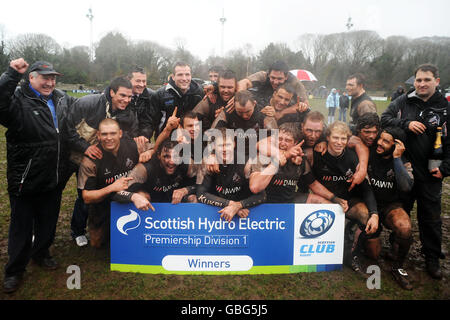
317, 223
131, 221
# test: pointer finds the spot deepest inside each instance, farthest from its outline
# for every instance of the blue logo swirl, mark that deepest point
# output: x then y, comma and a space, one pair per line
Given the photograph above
317, 223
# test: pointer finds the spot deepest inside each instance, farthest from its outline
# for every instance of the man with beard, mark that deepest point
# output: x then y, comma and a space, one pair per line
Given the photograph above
391, 177
420, 112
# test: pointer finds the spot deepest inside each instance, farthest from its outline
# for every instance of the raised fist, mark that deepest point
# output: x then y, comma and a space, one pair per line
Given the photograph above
20, 65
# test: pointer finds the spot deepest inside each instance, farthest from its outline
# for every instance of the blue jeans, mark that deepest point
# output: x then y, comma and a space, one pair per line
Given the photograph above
79, 217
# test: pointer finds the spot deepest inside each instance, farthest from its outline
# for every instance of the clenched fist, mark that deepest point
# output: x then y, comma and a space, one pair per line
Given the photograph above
20, 65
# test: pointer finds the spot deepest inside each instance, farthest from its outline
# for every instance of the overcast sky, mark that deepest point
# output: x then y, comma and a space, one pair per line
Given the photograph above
257, 22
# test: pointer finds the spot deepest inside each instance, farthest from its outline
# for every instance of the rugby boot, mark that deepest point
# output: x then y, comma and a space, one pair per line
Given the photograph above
401, 277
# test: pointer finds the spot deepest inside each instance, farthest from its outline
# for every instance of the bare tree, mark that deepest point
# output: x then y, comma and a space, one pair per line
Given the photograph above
33, 47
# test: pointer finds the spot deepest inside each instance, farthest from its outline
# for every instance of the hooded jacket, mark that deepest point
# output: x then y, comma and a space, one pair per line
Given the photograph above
333, 100
37, 151
433, 113
164, 101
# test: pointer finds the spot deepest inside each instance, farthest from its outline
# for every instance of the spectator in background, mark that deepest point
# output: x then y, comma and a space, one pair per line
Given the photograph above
397, 93
332, 103
344, 102
214, 73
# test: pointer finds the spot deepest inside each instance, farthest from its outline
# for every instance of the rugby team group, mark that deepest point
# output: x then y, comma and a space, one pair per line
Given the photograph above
228, 142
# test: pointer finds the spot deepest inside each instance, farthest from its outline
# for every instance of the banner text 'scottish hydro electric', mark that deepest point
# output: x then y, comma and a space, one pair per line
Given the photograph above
192, 239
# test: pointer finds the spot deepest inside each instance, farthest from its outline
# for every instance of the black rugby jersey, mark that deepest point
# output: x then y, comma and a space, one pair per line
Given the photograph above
246, 131
333, 173
158, 183
229, 184
99, 173
234, 121
282, 186
383, 180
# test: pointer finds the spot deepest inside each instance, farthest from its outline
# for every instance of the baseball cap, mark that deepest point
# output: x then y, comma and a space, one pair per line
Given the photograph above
43, 67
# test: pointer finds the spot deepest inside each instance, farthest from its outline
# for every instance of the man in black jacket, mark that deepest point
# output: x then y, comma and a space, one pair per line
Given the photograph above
140, 102
35, 115
88, 111
420, 112
82, 122
180, 92
344, 102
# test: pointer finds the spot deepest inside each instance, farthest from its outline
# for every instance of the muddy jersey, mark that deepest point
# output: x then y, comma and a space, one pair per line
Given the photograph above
264, 91
247, 132
206, 111
99, 173
354, 107
230, 183
234, 121
282, 186
158, 183
382, 179
334, 173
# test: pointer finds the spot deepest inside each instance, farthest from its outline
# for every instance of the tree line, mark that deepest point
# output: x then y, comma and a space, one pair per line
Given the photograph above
386, 63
